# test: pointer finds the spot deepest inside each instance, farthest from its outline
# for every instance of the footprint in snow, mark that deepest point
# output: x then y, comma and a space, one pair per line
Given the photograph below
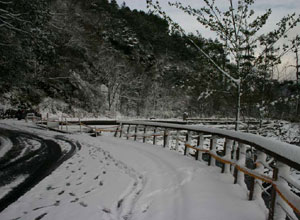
42, 207
96, 177
75, 200
126, 217
145, 208
120, 203
106, 210
83, 204
50, 188
68, 184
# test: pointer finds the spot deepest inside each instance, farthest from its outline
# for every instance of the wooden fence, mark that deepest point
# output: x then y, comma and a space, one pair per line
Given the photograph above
63, 124
262, 165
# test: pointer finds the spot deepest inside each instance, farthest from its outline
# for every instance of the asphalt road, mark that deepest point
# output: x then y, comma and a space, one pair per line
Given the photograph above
37, 164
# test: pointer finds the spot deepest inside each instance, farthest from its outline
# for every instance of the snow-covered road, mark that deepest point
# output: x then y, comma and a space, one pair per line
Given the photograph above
177, 187
114, 179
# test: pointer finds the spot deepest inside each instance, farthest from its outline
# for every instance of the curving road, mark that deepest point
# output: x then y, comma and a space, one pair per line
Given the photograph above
116, 179
24, 159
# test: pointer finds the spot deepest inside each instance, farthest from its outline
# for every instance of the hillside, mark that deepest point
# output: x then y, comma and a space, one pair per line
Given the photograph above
95, 56
98, 57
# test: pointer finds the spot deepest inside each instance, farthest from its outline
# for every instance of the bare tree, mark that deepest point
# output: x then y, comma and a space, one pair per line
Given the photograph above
238, 28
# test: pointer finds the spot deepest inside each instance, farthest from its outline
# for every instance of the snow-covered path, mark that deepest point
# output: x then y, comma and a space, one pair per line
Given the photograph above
116, 179
176, 187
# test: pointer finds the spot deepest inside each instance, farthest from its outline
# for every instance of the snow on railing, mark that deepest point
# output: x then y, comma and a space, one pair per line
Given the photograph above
260, 165
75, 125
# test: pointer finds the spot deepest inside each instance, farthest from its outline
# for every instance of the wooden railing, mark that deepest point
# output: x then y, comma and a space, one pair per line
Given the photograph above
258, 164
63, 125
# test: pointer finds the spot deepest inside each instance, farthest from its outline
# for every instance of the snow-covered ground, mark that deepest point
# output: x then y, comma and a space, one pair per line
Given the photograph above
111, 178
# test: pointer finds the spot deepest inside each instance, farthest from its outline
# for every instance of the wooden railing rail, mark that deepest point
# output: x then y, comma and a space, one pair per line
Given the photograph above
245, 156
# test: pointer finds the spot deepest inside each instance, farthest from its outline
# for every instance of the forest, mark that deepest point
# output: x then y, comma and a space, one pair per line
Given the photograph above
99, 57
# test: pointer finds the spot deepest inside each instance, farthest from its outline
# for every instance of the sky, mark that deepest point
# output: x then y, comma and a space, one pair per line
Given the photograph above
279, 8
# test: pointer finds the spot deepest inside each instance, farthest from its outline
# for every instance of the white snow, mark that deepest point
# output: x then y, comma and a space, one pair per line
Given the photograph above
30, 146
111, 178
5, 146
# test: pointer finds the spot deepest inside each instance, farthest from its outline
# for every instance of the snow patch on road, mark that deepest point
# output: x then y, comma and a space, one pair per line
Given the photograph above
5, 146
4, 190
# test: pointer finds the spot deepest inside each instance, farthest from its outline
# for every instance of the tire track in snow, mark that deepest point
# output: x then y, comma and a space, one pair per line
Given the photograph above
164, 178
170, 180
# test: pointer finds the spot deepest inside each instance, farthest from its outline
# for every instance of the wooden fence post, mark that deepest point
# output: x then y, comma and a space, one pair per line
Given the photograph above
213, 149
273, 196
128, 131
200, 145
252, 180
166, 138
227, 156
177, 140
234, 157
135, 131
80, 125
188, 141
257, 190
95, 131
145, 130
121, 130
240, 176
281, 208
154, 136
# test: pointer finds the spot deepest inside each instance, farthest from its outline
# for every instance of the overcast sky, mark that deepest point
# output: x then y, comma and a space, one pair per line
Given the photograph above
279, 8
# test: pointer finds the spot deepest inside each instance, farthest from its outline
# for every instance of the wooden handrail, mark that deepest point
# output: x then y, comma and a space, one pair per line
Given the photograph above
258, 142
275, 149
